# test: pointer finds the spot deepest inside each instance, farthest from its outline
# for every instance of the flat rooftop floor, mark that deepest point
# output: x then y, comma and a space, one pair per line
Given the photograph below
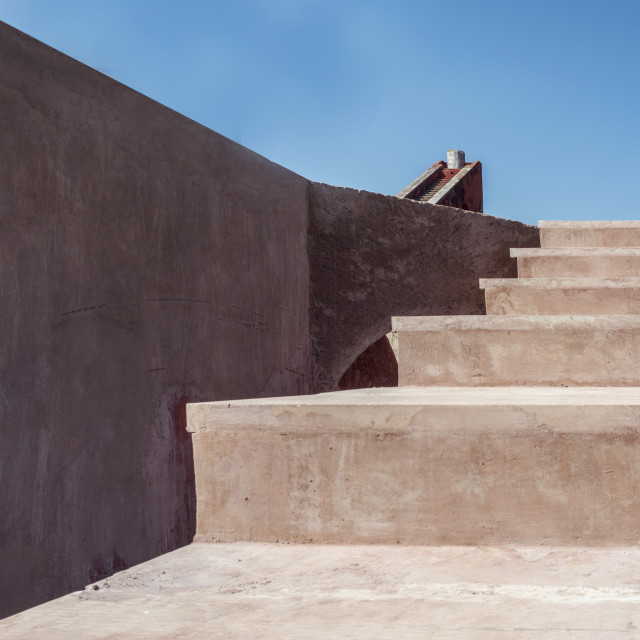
279, 591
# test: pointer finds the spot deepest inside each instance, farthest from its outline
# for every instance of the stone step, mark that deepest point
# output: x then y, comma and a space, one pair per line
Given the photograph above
518, 350
452, 466
578, 262
558, 296
353, 592
560, 233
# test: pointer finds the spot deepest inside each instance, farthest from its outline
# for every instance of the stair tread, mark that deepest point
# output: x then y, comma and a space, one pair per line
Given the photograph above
589, 224
562, 283
433, 189
528, 252
514, 323
206, 415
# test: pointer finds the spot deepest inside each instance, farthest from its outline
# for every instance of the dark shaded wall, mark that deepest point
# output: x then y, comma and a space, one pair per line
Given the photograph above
145, 262
372, 257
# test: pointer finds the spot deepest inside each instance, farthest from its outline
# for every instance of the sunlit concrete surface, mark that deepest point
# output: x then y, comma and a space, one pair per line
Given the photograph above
253, 590
418, 465
601, 233
578, 262
533, 350
554, 296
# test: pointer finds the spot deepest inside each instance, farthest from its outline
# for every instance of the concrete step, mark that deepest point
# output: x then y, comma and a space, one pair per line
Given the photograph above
559, 233
558, 296
330, 592
518, 350
582, 262
463, 466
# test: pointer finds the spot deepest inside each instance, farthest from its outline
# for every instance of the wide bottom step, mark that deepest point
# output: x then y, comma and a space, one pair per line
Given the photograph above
422, 466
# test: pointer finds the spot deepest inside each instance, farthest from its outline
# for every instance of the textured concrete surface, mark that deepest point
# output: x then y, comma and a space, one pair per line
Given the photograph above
555, 296
611, 233
421, 466
372, 257
519, 350
578, 262
147, 261
268, 591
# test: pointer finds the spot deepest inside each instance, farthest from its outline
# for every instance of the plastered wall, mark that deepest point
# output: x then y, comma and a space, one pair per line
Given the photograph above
145, 261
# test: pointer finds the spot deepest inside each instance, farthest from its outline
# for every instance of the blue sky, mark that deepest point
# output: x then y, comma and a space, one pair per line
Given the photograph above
369, 94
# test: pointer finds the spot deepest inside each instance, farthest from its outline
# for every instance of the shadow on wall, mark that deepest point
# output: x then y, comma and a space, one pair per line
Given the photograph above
376, 366
165, 460
169, 461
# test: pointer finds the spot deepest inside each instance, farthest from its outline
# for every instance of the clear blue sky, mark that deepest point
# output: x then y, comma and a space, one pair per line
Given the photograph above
368, 94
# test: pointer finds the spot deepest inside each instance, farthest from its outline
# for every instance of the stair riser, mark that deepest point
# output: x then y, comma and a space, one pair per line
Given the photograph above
579, 267
450, 475
557, 355
549, 301
550, 238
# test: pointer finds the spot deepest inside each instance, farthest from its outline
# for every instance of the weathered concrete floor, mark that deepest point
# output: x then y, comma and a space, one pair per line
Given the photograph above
256, 590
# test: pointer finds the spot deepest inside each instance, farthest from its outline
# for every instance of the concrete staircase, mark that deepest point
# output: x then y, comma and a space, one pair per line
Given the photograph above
582, 268
494, 494
433, 190
521, 426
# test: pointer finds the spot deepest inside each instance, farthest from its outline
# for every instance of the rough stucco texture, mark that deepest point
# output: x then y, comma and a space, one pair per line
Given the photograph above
373, 256
146, 262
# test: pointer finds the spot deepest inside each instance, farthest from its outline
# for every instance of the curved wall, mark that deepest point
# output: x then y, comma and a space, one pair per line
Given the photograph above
373, 256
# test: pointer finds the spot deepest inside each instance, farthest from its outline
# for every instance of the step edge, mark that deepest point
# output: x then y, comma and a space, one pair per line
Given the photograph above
561, 283
589, 224
571, 252
514, 323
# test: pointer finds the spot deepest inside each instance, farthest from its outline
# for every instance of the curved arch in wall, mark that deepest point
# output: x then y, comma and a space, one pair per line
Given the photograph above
376, 366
